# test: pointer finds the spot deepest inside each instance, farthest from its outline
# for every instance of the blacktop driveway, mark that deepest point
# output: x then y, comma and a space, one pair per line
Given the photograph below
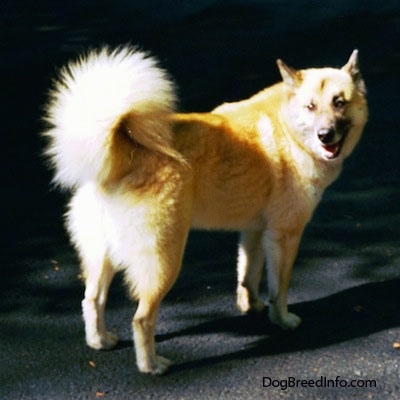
346, 283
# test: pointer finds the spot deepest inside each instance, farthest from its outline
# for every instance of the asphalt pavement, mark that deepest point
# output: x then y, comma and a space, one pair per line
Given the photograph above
346, 282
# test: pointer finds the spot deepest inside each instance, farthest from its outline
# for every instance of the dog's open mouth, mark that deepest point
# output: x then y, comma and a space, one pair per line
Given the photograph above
332, 150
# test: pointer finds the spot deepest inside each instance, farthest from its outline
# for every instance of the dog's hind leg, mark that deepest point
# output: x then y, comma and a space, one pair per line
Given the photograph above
143, 324
249, 269
85, 224
281, 253
98, 276
150, 295
155, 271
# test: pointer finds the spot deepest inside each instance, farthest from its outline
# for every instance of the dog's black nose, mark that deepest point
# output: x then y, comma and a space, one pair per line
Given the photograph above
326, 135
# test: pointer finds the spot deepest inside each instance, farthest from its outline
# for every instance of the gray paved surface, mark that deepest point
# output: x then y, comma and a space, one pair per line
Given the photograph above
346, 283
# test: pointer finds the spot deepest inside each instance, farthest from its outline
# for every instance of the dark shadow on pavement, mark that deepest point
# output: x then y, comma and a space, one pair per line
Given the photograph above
347, 315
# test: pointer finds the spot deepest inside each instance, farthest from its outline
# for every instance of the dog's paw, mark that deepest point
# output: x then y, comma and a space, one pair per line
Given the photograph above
247, 306
107, 341
288, 321
255, 307
158, 366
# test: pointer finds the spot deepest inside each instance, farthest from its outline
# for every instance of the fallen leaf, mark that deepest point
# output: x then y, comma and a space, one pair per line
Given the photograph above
396, 345
56, 264
92, 364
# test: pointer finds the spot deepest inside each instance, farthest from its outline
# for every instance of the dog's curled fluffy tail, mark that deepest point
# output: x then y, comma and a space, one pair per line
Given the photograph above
95, 95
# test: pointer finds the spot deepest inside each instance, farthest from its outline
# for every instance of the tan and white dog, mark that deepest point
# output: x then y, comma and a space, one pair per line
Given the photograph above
143, 175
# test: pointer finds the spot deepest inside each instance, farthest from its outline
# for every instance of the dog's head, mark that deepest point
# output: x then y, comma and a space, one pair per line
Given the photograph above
326, 108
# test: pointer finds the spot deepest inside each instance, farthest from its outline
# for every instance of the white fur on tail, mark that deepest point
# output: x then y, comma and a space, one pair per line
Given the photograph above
89, 98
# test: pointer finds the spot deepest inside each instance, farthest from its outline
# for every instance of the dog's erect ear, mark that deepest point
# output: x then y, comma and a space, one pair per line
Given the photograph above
290, 76
352, 67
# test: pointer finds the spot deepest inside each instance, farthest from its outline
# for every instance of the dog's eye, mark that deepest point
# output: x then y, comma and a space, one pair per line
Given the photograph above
311, 107
338, 102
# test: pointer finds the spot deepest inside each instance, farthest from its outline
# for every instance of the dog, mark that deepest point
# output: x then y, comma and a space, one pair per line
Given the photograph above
143, 174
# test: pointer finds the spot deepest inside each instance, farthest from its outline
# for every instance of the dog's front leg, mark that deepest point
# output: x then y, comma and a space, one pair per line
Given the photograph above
281, 254
249, 269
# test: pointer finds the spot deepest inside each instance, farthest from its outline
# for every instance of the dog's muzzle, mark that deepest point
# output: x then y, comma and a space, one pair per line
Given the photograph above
331, 145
